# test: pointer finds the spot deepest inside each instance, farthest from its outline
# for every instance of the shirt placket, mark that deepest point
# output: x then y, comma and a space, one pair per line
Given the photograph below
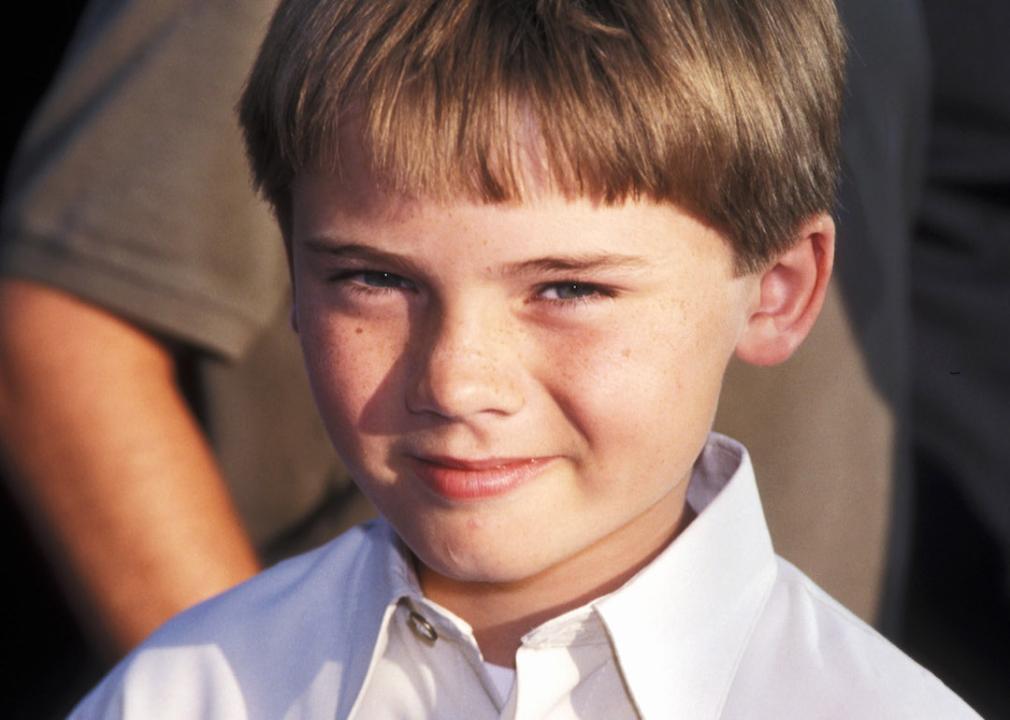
567, 670
431, 628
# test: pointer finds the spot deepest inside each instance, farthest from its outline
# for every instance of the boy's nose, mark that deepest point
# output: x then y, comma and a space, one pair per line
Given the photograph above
464, 366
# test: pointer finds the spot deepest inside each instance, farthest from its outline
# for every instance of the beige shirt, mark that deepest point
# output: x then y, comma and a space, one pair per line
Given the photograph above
715, 627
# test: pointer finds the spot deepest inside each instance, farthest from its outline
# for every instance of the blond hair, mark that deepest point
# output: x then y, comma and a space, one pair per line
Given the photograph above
728, 108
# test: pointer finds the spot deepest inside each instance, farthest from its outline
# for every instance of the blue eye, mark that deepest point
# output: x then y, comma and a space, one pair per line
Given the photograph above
380, 279
570, 290
371, 280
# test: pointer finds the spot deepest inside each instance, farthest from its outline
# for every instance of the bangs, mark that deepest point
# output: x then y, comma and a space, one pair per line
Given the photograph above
495, 101
478, 99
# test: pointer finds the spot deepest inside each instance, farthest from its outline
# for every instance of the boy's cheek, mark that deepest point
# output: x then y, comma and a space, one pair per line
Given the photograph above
349, 368
637, 385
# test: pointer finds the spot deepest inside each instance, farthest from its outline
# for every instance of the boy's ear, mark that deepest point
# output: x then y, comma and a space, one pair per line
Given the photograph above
790, 295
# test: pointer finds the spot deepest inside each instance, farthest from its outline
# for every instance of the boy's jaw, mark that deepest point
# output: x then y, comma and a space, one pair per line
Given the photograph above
522, 390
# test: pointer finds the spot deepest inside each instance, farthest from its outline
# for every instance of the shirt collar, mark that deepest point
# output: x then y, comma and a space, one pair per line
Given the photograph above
680, 626
400, 585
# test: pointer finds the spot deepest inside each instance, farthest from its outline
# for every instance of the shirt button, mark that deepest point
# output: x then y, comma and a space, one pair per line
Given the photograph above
422, 628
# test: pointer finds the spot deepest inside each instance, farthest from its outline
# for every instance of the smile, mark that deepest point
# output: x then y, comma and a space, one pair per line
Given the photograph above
456, 479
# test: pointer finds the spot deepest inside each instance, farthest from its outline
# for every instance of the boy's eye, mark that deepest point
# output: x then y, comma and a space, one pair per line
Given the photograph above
373, 279
571, 290
382, 279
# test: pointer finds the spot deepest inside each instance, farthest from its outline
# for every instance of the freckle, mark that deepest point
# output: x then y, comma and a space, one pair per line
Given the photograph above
357, 331
626, 353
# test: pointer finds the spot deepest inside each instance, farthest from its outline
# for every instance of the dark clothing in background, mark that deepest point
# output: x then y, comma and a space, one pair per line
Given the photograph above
961, 263
884, 129
958, 619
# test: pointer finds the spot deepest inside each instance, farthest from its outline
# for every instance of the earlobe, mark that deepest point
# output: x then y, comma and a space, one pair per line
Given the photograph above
791, 293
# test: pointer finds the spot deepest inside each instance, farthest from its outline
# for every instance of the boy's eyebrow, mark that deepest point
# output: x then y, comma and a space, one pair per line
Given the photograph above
548, 264
337, 248
575, 263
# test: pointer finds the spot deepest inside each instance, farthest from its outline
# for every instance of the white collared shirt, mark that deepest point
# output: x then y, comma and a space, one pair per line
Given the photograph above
715, 627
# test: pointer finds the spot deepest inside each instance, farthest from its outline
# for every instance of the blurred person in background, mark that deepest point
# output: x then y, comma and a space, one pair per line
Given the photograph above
957, 618
155, 423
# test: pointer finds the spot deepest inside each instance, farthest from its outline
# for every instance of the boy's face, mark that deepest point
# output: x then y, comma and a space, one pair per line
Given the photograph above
514, 385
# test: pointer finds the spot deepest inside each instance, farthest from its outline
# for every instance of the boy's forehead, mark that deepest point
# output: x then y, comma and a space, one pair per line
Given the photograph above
547, 233
334, 203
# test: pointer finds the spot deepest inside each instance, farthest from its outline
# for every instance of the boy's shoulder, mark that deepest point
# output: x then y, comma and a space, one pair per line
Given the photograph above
811, 657
264, 643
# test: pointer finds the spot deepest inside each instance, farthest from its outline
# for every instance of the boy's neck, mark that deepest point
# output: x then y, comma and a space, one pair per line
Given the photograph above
502, 613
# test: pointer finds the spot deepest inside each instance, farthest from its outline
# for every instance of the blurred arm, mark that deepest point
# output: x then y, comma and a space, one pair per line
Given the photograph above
111, 466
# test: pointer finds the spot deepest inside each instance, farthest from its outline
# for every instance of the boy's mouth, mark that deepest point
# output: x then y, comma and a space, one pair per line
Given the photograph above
471, 479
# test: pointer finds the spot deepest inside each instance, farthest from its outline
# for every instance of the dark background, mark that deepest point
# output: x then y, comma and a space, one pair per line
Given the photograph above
46, 662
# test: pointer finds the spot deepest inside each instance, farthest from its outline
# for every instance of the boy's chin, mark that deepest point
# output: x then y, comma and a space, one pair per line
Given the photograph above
492, 567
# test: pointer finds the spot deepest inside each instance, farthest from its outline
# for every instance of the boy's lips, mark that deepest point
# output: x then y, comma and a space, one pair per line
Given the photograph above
471, 479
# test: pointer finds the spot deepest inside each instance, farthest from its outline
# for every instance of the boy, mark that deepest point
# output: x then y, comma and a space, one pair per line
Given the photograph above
525, 239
